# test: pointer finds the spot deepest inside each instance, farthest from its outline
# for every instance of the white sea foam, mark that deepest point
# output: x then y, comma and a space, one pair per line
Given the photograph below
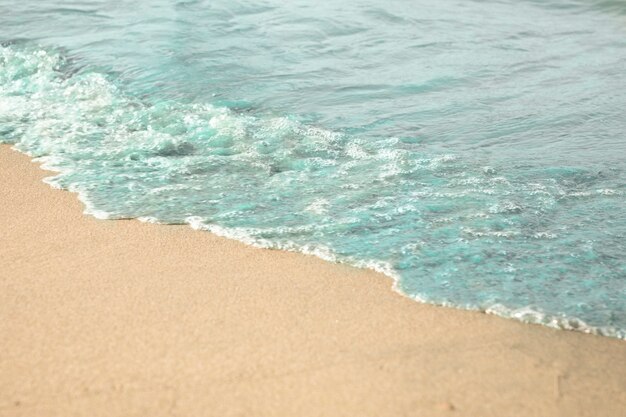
318, 206
308, 189
527, 314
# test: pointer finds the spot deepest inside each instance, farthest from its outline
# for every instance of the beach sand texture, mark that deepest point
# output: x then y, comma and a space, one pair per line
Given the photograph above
122, 318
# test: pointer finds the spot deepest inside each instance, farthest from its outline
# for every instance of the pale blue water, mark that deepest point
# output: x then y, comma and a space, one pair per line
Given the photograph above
476, 151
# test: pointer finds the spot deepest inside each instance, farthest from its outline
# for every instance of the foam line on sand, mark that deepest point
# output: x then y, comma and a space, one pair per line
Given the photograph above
121, 318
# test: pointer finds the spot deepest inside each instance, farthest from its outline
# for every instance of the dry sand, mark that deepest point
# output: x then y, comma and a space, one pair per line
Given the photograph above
121, 318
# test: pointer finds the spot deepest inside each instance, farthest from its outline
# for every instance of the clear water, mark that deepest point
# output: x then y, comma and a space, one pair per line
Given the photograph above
475, 151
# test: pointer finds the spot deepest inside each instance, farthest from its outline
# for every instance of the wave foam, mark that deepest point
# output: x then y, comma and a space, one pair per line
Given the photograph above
170, 162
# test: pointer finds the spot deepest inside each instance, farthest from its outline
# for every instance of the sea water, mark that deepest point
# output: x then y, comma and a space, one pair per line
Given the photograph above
473, 150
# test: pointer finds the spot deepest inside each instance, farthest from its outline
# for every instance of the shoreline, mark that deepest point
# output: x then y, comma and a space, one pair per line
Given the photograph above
123, 318
524, 314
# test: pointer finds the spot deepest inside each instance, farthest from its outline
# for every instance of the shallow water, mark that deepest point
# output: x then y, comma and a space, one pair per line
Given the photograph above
475, 151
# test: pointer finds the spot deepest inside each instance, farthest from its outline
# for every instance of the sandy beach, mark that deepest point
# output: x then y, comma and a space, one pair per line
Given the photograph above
122, 318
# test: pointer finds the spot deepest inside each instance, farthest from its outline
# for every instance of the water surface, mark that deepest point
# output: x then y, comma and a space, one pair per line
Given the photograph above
475, 151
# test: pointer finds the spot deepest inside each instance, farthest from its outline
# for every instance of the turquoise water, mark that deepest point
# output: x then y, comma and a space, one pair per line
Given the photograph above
474, 151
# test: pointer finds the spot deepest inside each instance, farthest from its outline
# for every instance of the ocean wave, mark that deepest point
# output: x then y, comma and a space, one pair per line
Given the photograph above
448, 229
